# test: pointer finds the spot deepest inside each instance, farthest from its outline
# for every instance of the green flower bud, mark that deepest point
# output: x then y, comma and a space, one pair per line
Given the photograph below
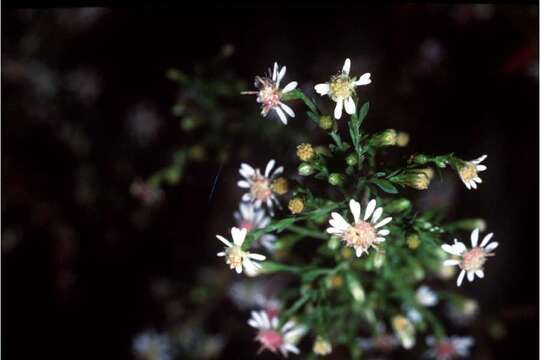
471, 224
420, 159
378, 259
333, 243
336, 179
305, 169
352, 159
398, 205
326, 122
385, 138
355, 288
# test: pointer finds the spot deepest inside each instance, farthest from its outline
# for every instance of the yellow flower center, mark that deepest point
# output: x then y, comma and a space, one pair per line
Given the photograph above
260, 189
234, 256
341, 87
304, 152
280, 186
361, 235
468, 172
296, 205
474, 259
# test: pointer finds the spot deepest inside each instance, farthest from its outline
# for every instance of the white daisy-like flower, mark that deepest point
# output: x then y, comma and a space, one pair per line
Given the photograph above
426, 297
152, 346
449, 348
341, 89
269, 94
274, 338
250, 218
471, 261
468, 172
259, 185
237, 258
363, 233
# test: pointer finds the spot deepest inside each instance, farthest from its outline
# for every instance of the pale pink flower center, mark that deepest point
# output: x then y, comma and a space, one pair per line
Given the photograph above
260, 189
473, 259
269, 96
270, 339
361, 235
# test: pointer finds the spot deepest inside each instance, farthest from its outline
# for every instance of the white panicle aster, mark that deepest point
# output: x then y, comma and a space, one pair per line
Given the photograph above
468, 172
272, 337
341, 89
363, 233
152, 346
259, 185
449, 348
251, 218
269, 94
238, 258
470, 261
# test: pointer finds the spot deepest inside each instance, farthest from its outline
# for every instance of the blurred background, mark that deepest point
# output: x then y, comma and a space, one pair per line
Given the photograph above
94, 100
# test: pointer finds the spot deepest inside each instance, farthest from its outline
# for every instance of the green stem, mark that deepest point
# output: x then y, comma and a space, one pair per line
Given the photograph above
307, 232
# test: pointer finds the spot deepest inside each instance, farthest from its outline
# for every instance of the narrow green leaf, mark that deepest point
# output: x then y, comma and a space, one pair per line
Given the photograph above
385, 186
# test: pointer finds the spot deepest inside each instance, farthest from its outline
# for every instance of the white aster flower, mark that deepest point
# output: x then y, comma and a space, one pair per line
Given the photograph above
449, 348
260, 186
274, 338
269, 94
341, 89
471, 261
363, 233
250, 218
152, 346
426, 297
468, 172
236, 257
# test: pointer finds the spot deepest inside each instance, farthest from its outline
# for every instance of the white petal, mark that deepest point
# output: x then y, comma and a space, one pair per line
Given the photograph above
383, 232
243, 184
470, 275
287, 109
238, 235
369, 209
288, 326
281, 115
460, 277
238, 269
281, 74
339, 221
222, 253
289, 87
459, 247
486, 239
269, 167
322, 89
474, 237
492, 246
449, 249
364, 80
451, 262
473, 184
481, 168
333, 230
383, 222
346, 66
380, 239
477, 179
225, 241
257, 257
350, 106
467, 184
479, 160
274, 73
338, 109
480, 273
358, 251
246, 197
247, 169
253, 323
376, 215
355, 209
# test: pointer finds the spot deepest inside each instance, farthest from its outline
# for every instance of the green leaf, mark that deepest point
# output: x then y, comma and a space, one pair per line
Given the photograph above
385, 186
362, 113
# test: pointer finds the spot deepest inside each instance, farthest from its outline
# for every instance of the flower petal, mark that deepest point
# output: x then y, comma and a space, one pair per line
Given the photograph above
287, 109
474, 237
281, 115
346, 66
355, 209
383, 232
339, 221
257, 257
486, 239
470, 275
238, 235
243, 184
350, 106
338, 109
383, 222
369, 209
322, 89
225, 241
460, 277
451, 262
289, 87
479, 160
364, 80
492, 246
281, 74
376, 215
274, 73
480, 273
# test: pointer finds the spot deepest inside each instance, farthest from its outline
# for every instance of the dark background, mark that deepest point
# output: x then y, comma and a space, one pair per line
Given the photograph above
76, 268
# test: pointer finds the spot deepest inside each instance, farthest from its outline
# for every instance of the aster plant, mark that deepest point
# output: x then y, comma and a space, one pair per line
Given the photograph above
359, 256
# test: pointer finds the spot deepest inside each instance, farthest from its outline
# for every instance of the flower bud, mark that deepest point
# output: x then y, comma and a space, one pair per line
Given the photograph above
420, 159
355, 288
397, 206
305, 152
280, 186
413, 241
402, 139
470, 224
404, 330
336, 179
305, 169
417, 179
378, 259
334, 282
326, 122
346, 253
351, 159
385, 138
334, 242
322, 346
296, 205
